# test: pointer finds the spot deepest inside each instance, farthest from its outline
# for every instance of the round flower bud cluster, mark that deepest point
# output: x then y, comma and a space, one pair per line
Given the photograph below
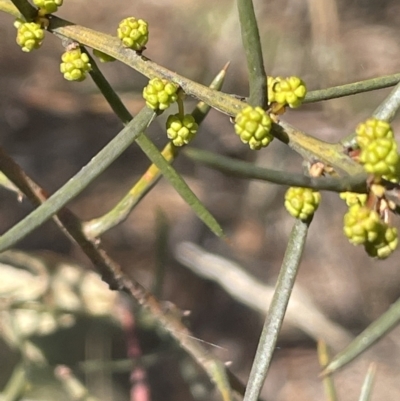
253, 125
160, 93
371, 130
302, 202
181, 130
134, 33
378, 149
30, 35
47, 6
75, 65
363, 226
289, 91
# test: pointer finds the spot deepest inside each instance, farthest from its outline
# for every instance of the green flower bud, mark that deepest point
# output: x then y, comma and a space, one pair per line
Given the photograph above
253, 125
289, 91
371, 130
134, 33
380, 157
302, 202
181, 130
361, 224
160, 93
30, 35
48, 6
75, 65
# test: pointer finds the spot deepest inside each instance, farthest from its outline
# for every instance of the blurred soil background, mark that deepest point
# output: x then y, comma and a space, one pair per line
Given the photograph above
52, 128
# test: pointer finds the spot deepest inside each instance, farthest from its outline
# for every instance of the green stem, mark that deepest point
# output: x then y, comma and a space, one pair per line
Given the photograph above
26, 9
329, 385
108, 92
252, 46
179, 184
276, 312
385, 111
248, 170
388, 108
313, 149
352, 89
16, 384
366, 389
96, 227
369, 336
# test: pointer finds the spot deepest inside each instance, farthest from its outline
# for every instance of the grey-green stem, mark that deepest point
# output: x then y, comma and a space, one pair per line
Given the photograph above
276, 312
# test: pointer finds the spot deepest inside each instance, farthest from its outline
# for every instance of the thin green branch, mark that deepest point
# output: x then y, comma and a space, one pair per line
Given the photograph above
248, 170
352, 89
313, 149
276, 312
253, 50
112, 46
8, 7
366, 389
26, 9
108, 92
374, 332
248, 290
79, 182
99, 225
389, 107
179, 184
329, 384
385, 111
16, 384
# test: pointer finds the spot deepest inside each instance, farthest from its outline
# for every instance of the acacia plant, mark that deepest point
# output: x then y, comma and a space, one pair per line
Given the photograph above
364, 168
